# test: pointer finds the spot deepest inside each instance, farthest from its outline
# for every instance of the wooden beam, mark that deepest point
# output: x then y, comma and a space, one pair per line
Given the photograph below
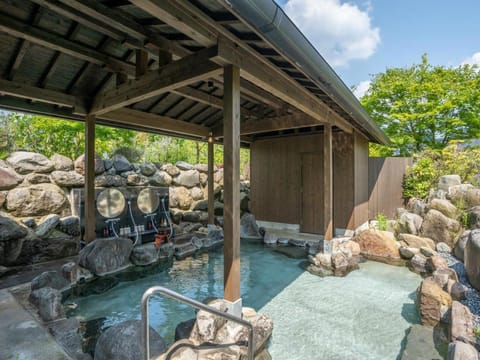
177, 19
231, 187
210, 184
177, 74
141, 63
272, 80
328, 182
157, 122
22, 50
42, 95
89, 179
56, 42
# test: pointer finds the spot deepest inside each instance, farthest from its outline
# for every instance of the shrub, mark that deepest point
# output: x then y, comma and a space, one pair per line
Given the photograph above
431, 164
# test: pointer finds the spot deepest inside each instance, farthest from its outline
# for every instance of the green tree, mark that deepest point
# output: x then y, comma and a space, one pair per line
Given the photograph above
424, 106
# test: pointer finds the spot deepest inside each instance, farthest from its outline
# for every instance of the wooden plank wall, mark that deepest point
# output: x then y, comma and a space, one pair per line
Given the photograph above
385, 177
360, 213
343, 179
276, 176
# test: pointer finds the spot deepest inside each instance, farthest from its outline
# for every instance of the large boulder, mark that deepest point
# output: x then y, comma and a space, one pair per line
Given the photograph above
137, 180
409, 223
197, 193
472, 258
440, 228
379, 246
461, 351
11, 240
432, 302
70, 225
249, 227
47, 225
445, 207
170, 169
61, 163
446, 181
124, 342
187, 178
121, 163
25, 162
105, 256
36, 178
147, 169
416, 241
48, 302
182, 165
180, 197
461, 323
66, 333
459, 248
416, 206
8, 178
160, 178
473, 217
99, 166
143, 255
421, 344
36, 200
51, 279
67, 178
106, 180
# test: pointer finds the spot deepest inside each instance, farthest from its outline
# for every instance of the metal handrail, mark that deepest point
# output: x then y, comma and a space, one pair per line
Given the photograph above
198, 305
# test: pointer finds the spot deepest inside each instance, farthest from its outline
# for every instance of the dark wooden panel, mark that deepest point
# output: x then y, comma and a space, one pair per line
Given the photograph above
312, 195
385, 185
276, 176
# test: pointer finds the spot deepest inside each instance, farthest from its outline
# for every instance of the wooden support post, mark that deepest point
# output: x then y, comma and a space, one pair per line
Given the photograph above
141, 63
328, 181
164, 58
231, 189
89, 179
211, 196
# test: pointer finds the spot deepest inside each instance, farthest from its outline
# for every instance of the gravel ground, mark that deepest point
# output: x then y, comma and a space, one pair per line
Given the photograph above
473, 295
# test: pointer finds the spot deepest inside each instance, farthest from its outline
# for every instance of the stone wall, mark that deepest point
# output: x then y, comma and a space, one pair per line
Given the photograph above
36, 190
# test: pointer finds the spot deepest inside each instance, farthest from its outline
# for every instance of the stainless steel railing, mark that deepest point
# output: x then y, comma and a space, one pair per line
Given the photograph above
198, 305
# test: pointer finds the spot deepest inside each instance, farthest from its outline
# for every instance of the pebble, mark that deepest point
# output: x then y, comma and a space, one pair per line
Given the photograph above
473, 295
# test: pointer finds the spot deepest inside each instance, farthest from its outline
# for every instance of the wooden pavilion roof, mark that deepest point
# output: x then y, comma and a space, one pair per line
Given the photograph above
156, 65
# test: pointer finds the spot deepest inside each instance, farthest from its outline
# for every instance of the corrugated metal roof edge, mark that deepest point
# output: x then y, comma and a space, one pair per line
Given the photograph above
270, 19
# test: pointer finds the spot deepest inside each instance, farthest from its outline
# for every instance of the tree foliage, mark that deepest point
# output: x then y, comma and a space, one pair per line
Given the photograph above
424, 106
51, 135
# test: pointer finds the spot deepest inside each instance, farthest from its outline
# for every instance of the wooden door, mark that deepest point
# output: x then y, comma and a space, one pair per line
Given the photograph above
312, 193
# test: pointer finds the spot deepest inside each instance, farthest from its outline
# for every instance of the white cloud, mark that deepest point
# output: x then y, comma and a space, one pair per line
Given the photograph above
341, 32
472, 60
362, 88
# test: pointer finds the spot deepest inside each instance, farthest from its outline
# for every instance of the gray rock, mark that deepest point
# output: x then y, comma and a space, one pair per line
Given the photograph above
10, 230
446, 181
61, 163
473, 217
461, 351
187, 178
417, 206
190, 216
418, 264
445, 207
440, 228
25, 162
47, 225
143, 255
36, 200
126, 174
203, 168
160, 178
408, 252
124, 342
67, 178
421, 343
249, 227
51, 279
203, 179
106, 256
70, 225
48, 302
170, 169
3, 197
472, 258
182, 165
442, 247
29, 222
244, 202
409, 223
147, 169
110, 180
458, 291
426, 251
65, 332
184, 329
108, 165
297, 242
121, 163
459, 248
35, 178
79, 164
137, 180
69, 272
179, 197
218, 176
8, 178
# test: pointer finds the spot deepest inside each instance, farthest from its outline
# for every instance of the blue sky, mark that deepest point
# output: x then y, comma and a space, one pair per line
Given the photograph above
363, 37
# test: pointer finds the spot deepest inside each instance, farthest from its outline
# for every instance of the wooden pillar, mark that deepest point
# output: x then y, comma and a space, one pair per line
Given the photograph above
211, 196
231, 185
89, 178
164, 58
328, 181
141, 63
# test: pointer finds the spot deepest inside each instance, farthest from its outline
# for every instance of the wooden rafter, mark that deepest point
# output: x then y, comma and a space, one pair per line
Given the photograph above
177, 74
